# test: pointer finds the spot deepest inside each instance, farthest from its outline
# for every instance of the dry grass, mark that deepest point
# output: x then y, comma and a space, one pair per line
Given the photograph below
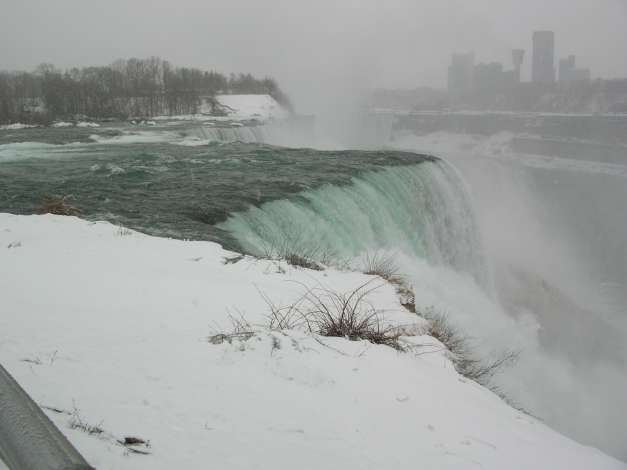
123, 231
462, 354
77, 422
325, 312
349, 315
58, 206
290, 317
381, 264
240, 329
303, 262
385, 266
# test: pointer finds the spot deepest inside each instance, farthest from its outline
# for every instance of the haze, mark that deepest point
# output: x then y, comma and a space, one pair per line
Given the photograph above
311, 46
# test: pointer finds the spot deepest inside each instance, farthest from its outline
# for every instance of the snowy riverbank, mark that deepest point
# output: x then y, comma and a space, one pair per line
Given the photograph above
109, 327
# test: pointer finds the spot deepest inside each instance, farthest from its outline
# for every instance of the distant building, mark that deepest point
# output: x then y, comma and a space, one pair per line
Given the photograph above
582, 75
489, 77
518, 56
461, 74
543, 65
567, 69
570, 73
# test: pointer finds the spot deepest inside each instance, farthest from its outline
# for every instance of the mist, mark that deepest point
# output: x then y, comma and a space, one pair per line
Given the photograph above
557, 243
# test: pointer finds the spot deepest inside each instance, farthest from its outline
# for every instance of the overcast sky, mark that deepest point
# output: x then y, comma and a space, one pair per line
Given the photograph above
311, 45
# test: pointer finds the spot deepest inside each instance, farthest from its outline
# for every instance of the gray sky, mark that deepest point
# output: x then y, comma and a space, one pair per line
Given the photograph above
312, 45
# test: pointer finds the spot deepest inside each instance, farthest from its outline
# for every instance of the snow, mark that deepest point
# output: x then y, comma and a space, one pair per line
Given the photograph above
262, 107
85, 124
17, 126
112, 325
58, 124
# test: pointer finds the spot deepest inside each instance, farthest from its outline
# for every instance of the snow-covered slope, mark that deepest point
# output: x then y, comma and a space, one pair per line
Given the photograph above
261, 107
109, 328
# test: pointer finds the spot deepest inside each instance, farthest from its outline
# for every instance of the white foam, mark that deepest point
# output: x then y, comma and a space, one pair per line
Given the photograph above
497, 146
16, 126
23, 150
138, 137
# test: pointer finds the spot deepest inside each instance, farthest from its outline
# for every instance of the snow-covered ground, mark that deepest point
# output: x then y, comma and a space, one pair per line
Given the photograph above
109, 327
262, 107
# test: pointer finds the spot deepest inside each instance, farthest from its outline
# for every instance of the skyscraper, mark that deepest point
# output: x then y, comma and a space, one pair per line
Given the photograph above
543, 66
461, 73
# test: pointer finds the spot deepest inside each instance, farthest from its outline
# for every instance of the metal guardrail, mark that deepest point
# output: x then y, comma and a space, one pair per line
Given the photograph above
28, 439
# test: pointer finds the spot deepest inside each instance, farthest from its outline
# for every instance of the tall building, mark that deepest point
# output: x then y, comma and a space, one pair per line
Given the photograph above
543, 66
461, 73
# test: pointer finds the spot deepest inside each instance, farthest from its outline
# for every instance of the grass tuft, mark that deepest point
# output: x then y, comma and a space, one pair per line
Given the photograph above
58, 206
461, 352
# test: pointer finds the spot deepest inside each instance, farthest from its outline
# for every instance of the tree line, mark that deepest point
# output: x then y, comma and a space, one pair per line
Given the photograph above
126, 88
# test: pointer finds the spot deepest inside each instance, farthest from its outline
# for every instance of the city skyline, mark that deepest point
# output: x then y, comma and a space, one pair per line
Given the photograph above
345, 48
543, 65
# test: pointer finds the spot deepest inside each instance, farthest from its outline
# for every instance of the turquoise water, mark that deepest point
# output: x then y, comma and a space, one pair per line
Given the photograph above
169, 180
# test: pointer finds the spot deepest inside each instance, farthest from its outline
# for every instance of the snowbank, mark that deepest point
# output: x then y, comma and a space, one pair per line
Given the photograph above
262, 107
84, 124
109, 328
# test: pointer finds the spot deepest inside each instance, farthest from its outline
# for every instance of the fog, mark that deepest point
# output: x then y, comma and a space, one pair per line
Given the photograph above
572, 370
317, 50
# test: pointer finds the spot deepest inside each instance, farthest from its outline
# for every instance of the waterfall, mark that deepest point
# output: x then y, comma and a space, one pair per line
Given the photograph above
421, 210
